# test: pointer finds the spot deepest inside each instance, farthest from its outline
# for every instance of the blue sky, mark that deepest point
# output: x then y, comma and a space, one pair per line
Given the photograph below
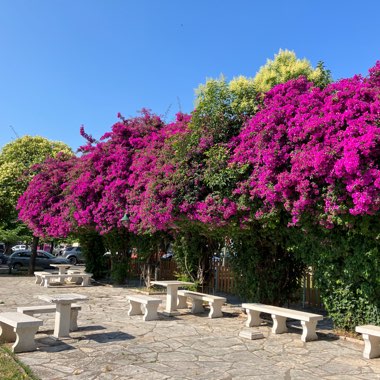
65, 63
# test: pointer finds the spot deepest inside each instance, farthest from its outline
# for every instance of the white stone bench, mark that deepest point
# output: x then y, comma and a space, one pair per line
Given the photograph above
19, 328
38, 276
197, 300
279, 316
49, 279
141, 304
371, 337
31, 310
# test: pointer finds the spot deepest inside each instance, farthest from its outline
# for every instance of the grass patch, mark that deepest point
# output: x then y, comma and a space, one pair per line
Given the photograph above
11, 368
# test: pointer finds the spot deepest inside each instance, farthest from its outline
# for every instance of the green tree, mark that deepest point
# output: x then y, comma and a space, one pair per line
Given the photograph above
286, 66
16, 170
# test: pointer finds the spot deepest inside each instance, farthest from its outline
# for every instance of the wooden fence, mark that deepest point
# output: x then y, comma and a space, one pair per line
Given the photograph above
223, 280
310, 294
167, 270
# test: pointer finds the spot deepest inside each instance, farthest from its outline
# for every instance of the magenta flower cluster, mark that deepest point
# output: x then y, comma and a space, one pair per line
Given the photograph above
307, 151
313, 150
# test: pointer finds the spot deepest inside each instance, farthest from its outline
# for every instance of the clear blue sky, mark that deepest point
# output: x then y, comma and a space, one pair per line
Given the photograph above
65, 63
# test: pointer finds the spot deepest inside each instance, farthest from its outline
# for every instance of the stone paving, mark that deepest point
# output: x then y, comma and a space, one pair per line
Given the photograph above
111, 345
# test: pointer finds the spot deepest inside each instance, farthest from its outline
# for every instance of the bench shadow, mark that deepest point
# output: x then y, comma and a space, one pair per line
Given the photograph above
91, 328
112, 336
328, 337
50, 344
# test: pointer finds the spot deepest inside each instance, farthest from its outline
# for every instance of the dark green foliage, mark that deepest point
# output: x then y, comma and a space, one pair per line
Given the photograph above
266, 267
325, 77
93, 249
346, 264
117, 242
193, 249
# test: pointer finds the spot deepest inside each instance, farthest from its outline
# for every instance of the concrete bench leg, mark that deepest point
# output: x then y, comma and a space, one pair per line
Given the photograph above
86, 281
150, 312
308, 331
25, 339
197, 306
253, 318
22, 336
135, 308
279, 324
182, 302
7, 333
74, 320
371, 346
216, 309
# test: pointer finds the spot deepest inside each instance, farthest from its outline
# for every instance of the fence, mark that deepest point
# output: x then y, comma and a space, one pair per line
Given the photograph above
167, 270
223, 280
310, 295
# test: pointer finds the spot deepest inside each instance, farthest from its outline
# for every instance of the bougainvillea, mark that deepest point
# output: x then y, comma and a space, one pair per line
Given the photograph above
151, 196
90, 190
101, 179
44, 205
314, 150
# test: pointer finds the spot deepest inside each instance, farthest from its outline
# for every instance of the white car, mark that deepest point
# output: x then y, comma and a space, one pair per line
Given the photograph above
18, 247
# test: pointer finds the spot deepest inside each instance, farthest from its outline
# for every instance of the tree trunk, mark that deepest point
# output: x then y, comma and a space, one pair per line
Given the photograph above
32, 263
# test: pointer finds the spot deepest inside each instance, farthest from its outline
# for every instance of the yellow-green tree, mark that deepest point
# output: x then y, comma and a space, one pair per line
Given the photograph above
16, 160
286, 66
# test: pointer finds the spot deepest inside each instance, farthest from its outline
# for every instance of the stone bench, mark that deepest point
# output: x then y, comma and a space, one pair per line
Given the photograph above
19, 328
38, 276
371, 337
141, 304
31, 310
279, 316
82, 278
197, 300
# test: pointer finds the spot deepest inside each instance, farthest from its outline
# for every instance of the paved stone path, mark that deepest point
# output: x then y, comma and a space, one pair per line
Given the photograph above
111, 345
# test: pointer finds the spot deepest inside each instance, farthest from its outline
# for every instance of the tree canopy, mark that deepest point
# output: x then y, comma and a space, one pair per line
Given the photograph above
17, 161
286, 66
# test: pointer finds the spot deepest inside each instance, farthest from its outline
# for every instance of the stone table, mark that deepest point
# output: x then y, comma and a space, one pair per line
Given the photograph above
62, 315
171, 294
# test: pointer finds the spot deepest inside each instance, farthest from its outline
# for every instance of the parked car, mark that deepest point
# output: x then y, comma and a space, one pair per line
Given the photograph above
18, 247
169, 254
74, 255
3, 259
20, 260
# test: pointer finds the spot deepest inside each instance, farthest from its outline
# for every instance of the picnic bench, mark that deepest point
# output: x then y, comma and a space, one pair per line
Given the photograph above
38, 276
371, 337
32, 310
279, 316
19, 328
82, 278
141, 304
197, 300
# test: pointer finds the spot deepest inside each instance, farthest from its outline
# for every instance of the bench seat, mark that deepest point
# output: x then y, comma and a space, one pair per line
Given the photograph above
141, 304
31, 310
197, 300
279, 316
48, 279
38, 276
19, 328
371, 337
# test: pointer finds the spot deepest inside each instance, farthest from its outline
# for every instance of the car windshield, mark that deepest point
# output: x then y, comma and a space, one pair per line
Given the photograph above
44, 253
